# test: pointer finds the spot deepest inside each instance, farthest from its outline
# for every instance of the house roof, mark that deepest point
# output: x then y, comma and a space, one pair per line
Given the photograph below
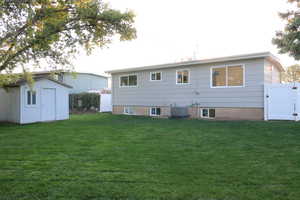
23, 81
266, 55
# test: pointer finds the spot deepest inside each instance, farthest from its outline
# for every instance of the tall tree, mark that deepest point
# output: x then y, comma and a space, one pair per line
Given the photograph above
53, 31
292, 74
288, 40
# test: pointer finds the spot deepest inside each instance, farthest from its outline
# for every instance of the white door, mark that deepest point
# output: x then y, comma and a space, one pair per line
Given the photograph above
105, 103
48, 104
281, 102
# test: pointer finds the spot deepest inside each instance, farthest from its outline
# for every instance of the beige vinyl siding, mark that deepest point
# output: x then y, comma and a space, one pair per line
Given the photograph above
198, 91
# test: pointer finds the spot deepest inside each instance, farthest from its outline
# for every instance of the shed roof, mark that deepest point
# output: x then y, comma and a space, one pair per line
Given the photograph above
23, 81
65, 72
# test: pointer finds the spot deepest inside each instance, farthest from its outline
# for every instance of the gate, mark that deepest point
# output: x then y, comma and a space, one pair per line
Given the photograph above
282, 102
105, 104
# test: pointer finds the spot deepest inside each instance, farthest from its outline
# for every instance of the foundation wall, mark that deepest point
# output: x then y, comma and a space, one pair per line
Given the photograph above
195, 112
142, 110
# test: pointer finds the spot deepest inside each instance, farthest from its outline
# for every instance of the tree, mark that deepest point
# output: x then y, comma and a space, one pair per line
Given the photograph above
288, 40
292, 74
52, 31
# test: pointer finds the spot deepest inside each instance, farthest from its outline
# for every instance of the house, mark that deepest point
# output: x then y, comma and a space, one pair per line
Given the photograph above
221, 88
81, 82
46, 100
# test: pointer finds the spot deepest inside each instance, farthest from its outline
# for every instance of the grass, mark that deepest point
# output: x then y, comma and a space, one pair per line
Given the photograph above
102, 156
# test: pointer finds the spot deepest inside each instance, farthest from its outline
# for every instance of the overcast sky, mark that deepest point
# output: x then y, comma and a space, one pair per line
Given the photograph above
171, 30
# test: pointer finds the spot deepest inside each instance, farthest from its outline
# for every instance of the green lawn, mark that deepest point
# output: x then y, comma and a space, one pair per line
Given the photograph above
103, 156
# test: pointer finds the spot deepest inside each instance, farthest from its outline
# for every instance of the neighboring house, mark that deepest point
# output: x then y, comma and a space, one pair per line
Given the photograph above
81, 82
222, 88
47, 100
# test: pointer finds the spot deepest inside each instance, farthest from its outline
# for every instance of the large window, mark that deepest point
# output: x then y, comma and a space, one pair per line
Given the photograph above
128, 81
228, 76
31, 97
182, 76
155, 76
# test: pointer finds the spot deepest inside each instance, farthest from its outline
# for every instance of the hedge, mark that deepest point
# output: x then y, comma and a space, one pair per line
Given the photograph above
84, 102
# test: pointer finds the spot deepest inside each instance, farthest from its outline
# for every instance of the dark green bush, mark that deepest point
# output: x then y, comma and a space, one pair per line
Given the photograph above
84, 102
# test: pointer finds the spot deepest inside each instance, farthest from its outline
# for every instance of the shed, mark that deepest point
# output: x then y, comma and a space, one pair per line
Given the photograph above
47, 100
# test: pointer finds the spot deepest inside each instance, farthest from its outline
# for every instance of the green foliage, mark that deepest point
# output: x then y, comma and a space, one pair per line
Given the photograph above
111, 157
8, 79
84, 102
288, 40
51, 31
292, 74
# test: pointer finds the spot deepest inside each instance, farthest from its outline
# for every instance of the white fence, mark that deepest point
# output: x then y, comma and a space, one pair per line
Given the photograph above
105, 103
282, 102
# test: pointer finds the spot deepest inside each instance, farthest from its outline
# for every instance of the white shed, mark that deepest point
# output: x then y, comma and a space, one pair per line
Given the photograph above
48, 100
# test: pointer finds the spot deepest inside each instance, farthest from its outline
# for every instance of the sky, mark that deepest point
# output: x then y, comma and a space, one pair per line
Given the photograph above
176, 30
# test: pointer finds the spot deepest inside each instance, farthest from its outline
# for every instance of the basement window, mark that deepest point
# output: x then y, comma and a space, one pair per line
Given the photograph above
155, 111
208, 113
128, 111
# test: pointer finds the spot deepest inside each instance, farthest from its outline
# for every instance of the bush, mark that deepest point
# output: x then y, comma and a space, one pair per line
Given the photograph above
84, 102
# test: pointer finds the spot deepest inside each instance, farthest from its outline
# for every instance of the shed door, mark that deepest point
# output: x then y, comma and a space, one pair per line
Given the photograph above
48, 104
281, 102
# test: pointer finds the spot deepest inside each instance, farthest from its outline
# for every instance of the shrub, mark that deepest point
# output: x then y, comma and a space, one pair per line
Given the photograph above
84, 102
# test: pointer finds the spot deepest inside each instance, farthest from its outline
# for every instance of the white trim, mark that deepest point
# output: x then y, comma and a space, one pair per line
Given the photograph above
154, 115
226, 67
208, 112
21, 104
129, 86
189, 76
155, 72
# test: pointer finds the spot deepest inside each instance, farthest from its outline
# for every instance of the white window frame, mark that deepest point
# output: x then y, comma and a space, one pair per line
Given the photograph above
26, 98
208, 109
155, 76
189, 76
226, 67
128, 86
130, 108
155, 115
